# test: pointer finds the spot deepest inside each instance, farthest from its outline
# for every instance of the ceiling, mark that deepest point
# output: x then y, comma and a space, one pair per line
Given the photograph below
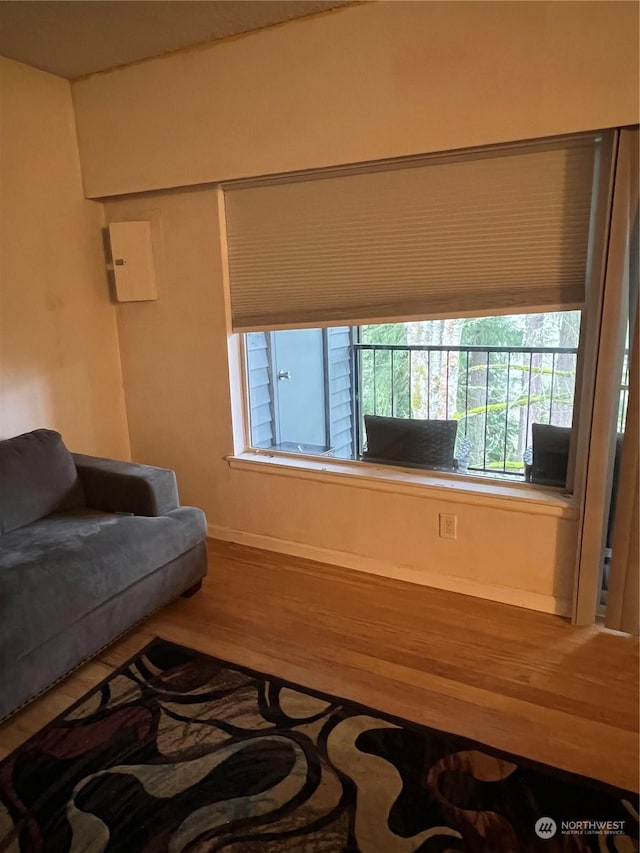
73, 38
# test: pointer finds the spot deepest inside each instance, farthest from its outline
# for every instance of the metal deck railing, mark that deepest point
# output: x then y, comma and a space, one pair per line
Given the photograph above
495, 394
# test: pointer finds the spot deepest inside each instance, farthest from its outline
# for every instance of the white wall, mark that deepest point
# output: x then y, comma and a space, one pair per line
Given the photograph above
175, 368
174, 361
59, 355
371, 81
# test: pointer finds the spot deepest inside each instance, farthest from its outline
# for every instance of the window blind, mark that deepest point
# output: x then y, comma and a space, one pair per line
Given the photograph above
493, 230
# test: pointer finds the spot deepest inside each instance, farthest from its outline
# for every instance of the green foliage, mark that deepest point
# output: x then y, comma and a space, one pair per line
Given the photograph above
385, 375
503, 394
384, 333
491, 331
495, 398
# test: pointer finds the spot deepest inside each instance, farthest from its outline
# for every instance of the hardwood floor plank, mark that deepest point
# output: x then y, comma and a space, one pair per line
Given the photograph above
523, 682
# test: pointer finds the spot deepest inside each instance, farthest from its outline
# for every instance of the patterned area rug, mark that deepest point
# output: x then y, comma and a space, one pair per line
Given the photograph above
177, 751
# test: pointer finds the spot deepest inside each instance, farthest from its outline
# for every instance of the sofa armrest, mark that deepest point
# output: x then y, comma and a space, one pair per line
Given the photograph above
113, 486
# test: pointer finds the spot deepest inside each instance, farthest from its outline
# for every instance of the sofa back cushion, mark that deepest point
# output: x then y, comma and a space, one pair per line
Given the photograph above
37, 477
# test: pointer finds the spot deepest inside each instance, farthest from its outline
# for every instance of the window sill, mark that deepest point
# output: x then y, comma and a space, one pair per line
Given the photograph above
458, 488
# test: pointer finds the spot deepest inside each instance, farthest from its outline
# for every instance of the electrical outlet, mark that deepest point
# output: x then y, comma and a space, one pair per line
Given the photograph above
448, 526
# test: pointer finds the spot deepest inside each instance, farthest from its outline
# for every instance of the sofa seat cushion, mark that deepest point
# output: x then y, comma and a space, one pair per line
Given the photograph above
56, 570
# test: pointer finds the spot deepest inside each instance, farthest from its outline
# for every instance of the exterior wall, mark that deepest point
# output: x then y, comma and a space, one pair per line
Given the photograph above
59, 354
334, 360
260, 390
375, 80
340, 387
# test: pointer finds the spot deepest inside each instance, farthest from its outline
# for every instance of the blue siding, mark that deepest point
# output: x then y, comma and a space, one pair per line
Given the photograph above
340, 385
258, 372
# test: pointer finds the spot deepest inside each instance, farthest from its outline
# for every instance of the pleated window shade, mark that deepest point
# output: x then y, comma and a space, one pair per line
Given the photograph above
491, 231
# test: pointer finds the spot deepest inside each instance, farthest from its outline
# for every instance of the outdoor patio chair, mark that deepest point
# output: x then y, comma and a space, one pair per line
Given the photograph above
550, 454
411, 442
548, 467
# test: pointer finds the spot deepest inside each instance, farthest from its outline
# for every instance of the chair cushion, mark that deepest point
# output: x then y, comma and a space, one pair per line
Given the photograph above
57, 570
37, 477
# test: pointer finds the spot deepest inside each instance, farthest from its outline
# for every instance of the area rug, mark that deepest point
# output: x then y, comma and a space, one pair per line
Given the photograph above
177, 751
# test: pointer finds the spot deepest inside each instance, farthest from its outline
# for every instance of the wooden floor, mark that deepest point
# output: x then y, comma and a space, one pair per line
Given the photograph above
523, 682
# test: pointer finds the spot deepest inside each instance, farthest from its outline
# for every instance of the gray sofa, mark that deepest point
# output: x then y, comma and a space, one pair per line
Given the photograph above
88, 547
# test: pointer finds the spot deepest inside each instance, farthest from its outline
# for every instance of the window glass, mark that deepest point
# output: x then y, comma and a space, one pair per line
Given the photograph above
459, 394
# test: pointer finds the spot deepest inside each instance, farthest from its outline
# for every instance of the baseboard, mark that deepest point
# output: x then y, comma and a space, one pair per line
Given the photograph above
504, 595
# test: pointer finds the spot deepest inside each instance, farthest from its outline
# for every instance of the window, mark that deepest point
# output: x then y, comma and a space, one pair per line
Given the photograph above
312, 391
425, 312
